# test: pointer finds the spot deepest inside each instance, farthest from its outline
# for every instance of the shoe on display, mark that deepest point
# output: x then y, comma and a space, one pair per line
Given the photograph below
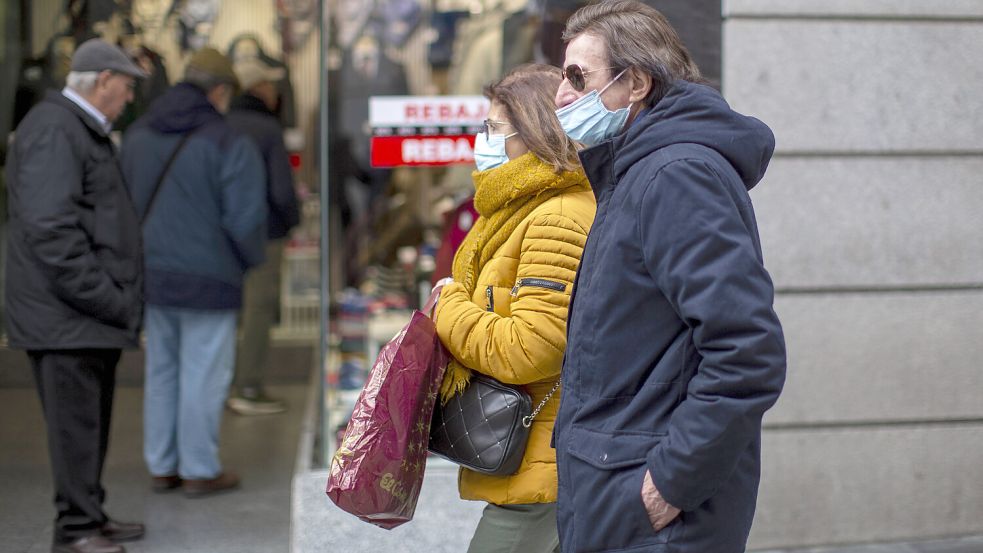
88, 544
251, 401
209, 486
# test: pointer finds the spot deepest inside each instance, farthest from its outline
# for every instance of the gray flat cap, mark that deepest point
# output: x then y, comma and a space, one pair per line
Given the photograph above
98, 55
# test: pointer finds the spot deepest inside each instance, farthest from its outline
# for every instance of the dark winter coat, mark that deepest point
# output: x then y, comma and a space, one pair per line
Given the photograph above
208, 222
74, 272
674, 351
250, 116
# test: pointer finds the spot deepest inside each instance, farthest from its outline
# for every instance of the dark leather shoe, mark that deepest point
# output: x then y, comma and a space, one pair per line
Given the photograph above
88, 544
161, 484
121, 531
200, 488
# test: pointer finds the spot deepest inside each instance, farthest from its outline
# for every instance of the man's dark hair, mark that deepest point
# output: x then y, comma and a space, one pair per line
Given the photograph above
637, 37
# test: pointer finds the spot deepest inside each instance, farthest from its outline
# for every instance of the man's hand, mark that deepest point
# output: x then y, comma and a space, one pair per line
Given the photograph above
660, 512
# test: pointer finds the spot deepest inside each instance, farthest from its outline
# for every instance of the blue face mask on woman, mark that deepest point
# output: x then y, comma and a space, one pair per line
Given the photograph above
489, 150
588, 121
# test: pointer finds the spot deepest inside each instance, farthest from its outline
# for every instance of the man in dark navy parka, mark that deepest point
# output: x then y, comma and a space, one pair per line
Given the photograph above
674, 351
200, 189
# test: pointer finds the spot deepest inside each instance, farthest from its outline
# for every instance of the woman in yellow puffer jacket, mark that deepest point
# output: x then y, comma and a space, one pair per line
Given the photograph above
505, 313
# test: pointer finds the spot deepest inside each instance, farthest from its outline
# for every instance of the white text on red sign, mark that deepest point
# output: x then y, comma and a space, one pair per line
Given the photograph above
395, 111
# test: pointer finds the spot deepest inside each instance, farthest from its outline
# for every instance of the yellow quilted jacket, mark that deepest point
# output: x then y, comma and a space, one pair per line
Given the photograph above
513, 328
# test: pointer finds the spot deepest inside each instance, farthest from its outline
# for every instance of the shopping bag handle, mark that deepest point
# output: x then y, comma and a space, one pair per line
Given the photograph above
428, 308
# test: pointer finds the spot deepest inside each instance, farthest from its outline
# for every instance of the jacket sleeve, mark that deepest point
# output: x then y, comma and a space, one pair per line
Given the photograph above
243, 184
528, 345
282, 195
704, 259
50, 174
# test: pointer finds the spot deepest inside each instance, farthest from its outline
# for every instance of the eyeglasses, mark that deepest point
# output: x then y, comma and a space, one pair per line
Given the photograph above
575, 74
131, 83
489, 125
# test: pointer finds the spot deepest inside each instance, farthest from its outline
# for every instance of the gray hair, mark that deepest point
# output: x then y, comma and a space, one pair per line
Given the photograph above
82, 81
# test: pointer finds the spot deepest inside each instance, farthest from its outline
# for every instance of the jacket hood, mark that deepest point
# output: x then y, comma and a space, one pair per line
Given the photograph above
697, 114
181, 109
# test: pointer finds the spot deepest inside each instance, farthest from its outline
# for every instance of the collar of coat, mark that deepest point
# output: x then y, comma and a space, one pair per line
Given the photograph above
515, 183
56, 97
598, 163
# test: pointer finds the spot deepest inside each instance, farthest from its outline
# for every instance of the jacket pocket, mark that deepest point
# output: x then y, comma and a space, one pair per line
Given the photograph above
538, 283
496, 300
606, 471
115, 236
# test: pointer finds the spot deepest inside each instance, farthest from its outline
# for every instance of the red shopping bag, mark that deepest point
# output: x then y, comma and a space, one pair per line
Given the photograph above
377, 472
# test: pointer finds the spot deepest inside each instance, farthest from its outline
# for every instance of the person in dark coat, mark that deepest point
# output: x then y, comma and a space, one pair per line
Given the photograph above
74, 278
204, 227
674, 349
254, 114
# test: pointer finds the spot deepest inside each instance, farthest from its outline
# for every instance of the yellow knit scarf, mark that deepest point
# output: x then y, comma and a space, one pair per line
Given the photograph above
504, 196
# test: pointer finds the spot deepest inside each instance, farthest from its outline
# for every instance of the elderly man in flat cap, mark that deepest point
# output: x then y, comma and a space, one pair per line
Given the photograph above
74, 280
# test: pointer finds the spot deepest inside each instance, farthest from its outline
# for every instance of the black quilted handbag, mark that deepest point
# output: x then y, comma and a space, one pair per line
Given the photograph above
485, 427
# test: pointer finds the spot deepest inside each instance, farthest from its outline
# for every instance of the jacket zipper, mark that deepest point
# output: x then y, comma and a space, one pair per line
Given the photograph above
490, 294
538, 283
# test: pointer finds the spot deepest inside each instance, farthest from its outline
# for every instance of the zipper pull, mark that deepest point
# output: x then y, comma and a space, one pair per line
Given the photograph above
515, 290
491, 298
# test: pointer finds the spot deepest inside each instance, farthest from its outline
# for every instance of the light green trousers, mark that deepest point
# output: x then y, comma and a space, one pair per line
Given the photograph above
527, 528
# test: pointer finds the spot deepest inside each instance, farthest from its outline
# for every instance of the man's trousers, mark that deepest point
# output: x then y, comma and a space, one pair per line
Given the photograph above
76, 389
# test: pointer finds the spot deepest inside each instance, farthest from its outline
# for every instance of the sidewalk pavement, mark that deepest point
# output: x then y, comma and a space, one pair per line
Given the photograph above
253, 519
968, 544
444, 523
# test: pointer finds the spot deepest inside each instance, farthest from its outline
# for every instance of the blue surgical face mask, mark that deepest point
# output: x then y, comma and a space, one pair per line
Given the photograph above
489, 150
588, 121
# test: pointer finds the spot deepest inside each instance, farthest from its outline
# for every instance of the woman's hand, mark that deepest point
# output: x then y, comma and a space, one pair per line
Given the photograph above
441, 283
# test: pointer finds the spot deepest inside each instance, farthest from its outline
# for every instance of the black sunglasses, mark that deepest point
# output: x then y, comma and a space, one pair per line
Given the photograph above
575, 74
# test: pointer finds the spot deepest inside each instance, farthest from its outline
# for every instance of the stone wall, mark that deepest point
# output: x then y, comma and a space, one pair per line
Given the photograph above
871, 218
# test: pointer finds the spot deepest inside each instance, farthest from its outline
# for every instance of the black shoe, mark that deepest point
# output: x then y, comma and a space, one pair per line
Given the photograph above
117, 531
88, 544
